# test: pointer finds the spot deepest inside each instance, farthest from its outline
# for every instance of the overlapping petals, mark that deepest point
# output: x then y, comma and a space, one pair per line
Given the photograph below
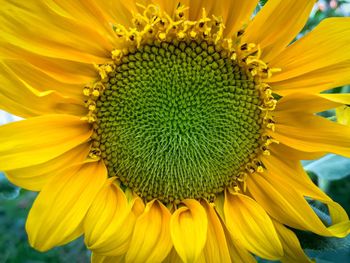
40, 139
57, 214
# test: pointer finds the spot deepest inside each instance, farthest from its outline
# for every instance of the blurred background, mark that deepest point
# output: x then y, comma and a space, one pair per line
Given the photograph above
331, 173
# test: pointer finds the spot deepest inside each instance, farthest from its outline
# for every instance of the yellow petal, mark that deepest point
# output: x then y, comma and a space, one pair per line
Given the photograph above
235, 14
311, 103
188, 229
238, 253
322, 52
284, 203
343, 115
118, 11
215, 248
96, 258
138, 206
251, 226
98, 14
168, 6
282, 190
57, 213
335, 75
292, 171
20, 98
196, 7
291, 246
294, 154
48, 31
135, 202
310, 133
63, 70
277, 24
42, 82
109, 223
219, 205
35, 177
59, 69
151, 240
40, 139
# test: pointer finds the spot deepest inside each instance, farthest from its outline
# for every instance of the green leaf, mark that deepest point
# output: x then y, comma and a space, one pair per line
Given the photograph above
262, 2
315, 242
7, 190
346, 89
330, 167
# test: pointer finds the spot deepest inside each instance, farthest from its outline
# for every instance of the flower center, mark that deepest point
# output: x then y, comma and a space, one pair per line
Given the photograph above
181, 112
179, 120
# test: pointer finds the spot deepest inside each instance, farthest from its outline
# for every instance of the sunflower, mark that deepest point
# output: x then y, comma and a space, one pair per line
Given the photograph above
172, 131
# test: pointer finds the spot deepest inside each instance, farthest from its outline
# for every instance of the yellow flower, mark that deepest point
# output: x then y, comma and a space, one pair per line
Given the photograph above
171, 130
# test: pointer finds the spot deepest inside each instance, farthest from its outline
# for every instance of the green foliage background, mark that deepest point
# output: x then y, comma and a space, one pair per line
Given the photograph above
15, 203
14, 248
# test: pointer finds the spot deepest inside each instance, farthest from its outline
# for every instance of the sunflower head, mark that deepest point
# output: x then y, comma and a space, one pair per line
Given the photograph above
181, 112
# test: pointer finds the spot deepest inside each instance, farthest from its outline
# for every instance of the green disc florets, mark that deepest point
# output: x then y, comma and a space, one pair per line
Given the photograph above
178, 120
